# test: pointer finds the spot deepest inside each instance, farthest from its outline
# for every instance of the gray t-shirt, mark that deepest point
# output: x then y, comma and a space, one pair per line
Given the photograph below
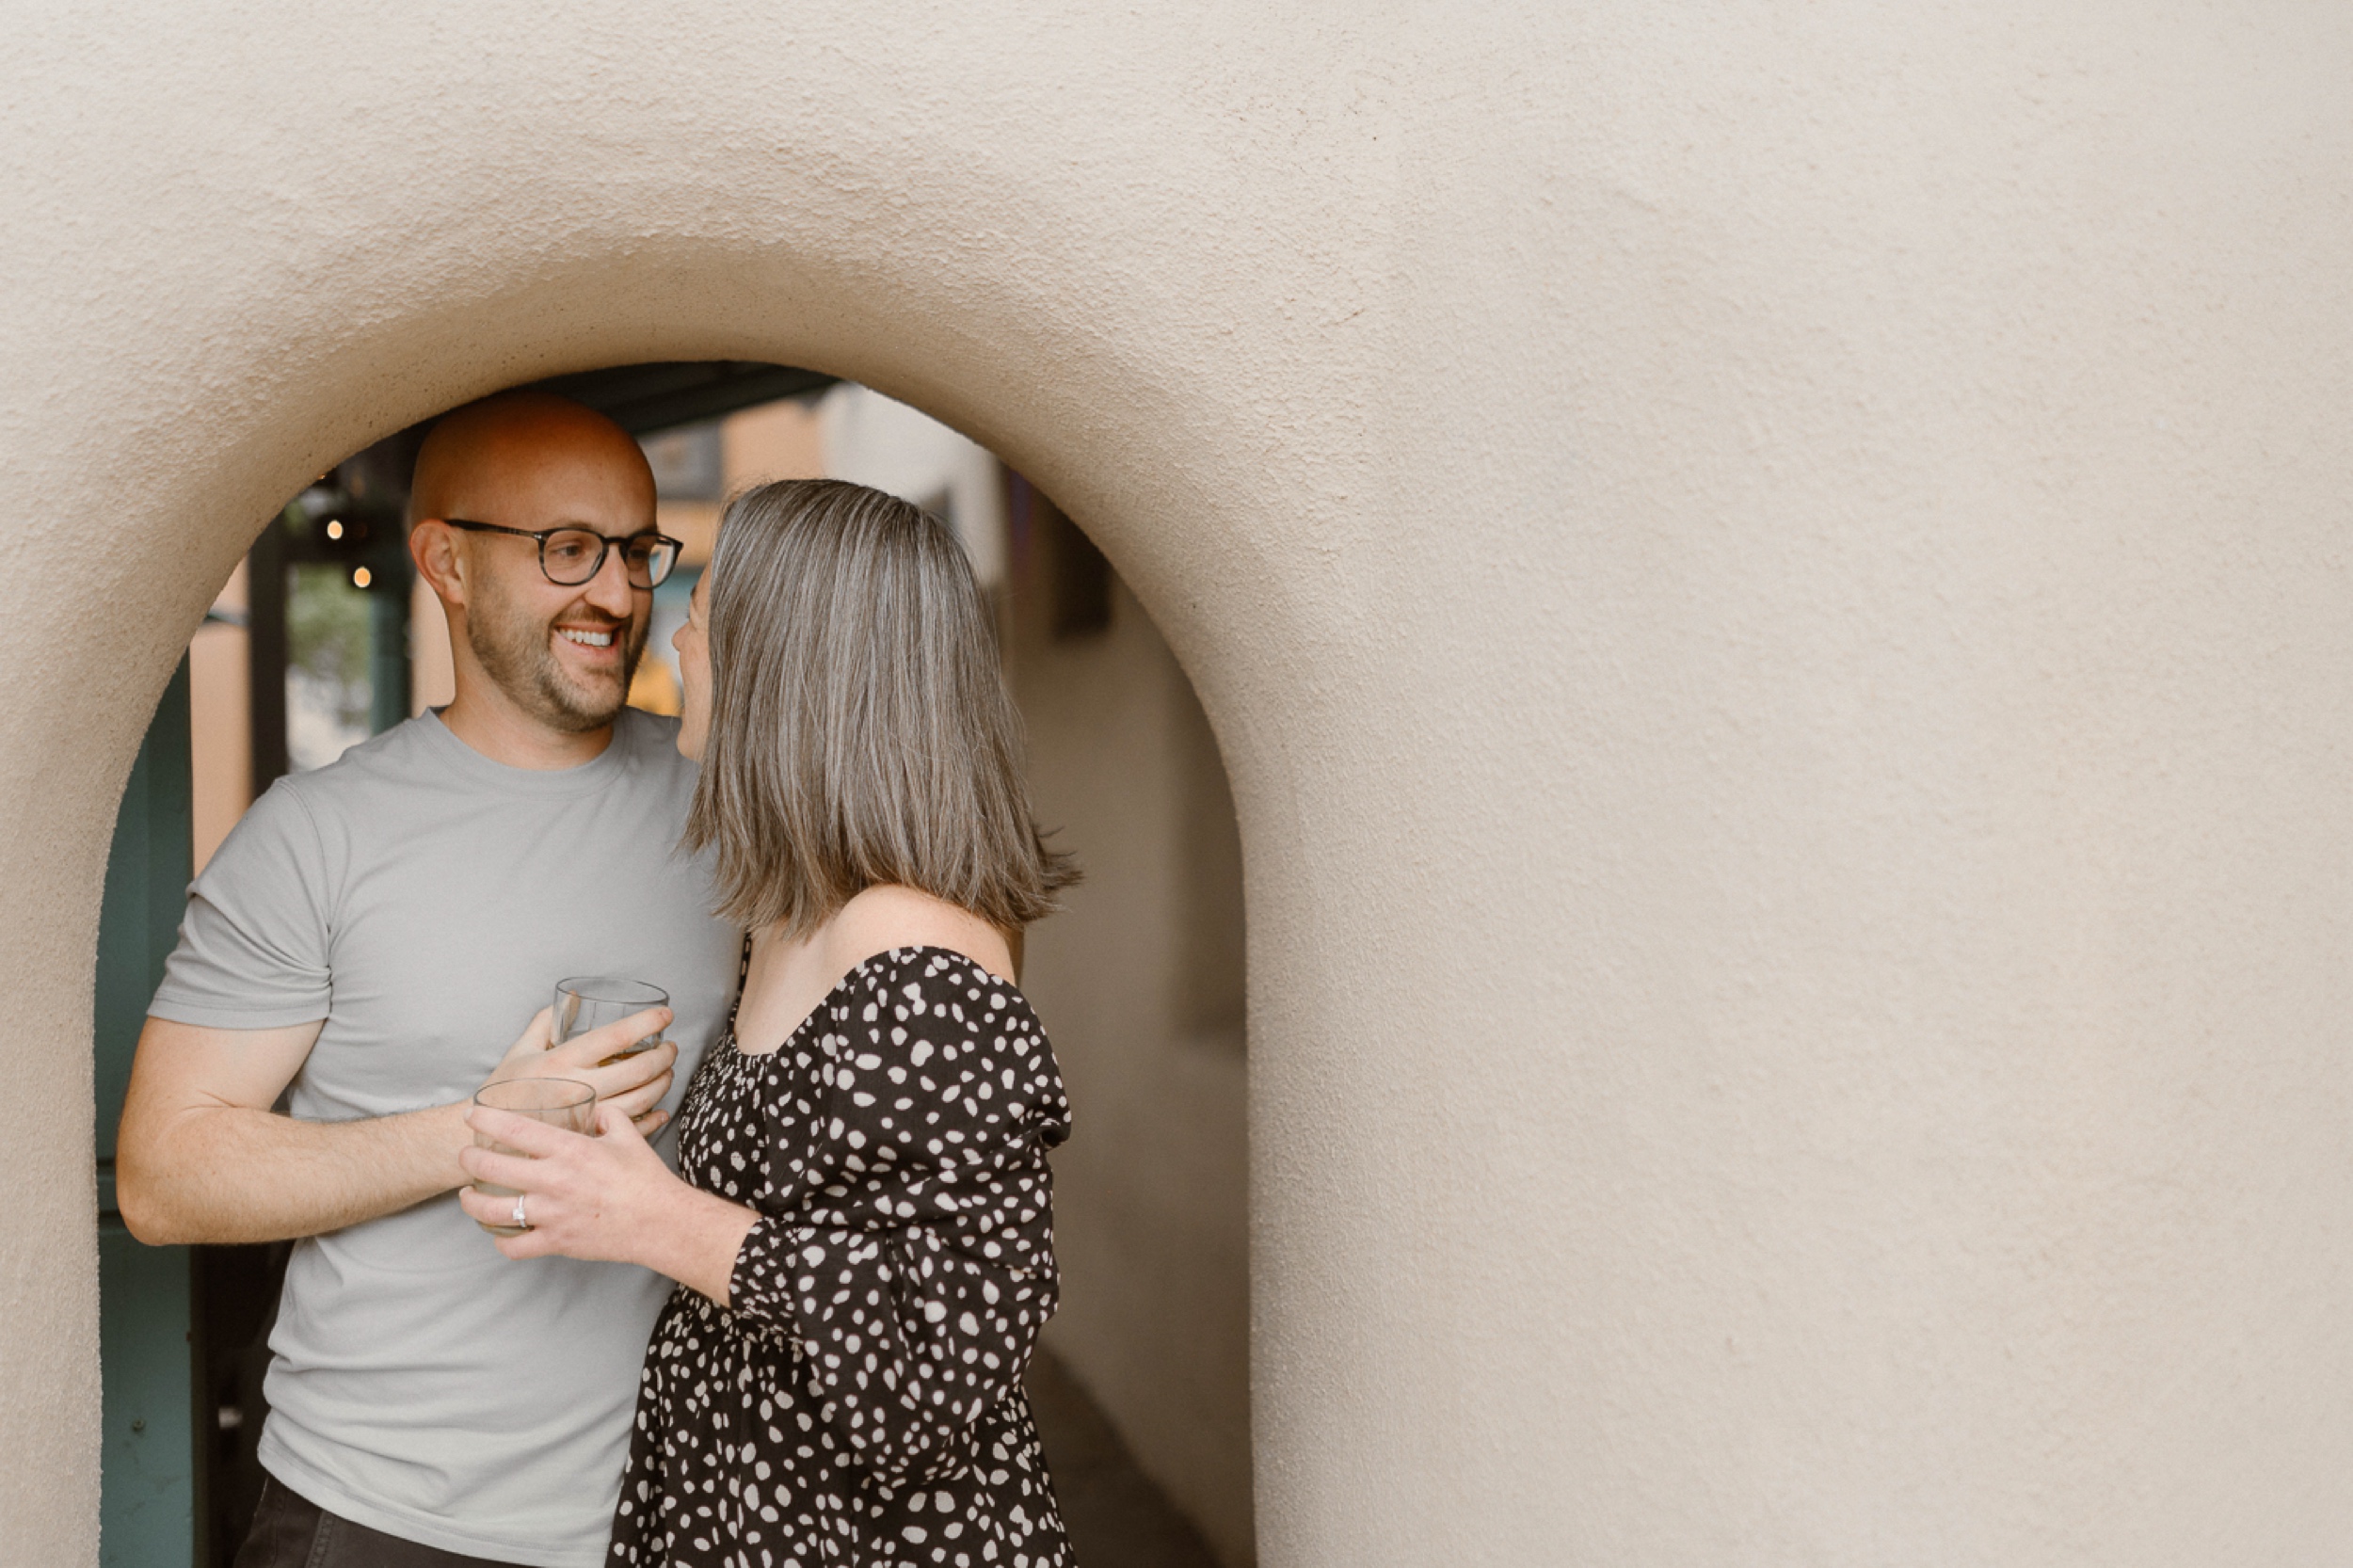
424, 901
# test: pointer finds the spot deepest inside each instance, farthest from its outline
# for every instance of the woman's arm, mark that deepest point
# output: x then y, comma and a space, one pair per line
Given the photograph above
918, 1276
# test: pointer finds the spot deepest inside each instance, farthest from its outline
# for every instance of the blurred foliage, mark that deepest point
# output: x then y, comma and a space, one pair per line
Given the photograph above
326, 639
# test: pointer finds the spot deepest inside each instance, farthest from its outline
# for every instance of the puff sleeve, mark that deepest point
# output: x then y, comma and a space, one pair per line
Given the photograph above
913, 1266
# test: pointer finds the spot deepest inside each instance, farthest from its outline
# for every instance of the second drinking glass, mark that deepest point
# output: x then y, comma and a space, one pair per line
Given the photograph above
558, 1101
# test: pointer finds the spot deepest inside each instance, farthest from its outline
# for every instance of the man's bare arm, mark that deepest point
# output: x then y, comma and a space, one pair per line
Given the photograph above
202, 1156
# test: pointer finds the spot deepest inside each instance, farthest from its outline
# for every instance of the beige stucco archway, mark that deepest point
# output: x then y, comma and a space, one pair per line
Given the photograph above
1772, 586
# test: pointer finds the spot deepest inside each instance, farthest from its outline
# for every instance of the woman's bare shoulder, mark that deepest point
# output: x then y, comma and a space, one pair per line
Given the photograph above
884, 917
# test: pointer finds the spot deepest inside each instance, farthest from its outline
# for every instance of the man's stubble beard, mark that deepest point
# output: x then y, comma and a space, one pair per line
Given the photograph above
514, 648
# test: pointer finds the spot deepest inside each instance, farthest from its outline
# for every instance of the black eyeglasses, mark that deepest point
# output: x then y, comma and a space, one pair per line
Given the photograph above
571, 556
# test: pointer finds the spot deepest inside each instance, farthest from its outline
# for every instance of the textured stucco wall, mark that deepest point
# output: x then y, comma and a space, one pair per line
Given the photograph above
1773, 581
1138, 983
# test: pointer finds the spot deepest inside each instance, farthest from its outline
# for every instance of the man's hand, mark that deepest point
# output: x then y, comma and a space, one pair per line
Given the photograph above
630, 1084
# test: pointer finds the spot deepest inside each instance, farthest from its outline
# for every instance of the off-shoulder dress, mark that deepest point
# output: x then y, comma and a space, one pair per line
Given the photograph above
859, 1400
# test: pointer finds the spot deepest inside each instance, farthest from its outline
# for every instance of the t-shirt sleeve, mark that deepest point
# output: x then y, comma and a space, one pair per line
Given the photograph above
253, 945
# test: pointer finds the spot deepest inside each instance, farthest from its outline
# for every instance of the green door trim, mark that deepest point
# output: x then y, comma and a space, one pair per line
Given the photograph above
149, 1482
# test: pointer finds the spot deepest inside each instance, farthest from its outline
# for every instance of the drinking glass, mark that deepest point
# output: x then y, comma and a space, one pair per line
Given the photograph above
558, 1101
591, 1001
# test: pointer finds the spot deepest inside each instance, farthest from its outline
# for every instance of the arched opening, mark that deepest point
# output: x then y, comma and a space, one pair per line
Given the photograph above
319, 640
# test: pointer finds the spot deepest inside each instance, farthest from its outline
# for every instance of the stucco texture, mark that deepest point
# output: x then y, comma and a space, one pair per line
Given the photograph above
1772, 581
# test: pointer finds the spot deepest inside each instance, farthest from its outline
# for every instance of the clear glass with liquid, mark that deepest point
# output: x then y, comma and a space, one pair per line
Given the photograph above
590, 1001
561, 1102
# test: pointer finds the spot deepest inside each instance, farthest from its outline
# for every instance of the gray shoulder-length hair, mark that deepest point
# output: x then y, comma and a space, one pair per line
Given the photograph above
860, 730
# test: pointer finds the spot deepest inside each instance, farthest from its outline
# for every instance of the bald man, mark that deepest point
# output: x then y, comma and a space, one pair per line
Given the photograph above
356, 962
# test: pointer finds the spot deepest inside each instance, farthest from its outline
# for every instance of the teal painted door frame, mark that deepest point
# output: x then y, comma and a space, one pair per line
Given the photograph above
150, 1489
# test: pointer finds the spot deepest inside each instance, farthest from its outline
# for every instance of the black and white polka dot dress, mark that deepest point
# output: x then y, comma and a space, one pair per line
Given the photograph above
858, 1403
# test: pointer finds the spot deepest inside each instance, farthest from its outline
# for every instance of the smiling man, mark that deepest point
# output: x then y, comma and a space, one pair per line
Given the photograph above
551, 670
354, 964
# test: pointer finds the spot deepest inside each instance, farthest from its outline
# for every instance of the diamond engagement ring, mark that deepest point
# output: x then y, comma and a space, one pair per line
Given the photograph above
521, 1224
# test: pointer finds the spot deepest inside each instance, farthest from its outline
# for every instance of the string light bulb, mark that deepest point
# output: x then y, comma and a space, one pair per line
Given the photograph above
361, 577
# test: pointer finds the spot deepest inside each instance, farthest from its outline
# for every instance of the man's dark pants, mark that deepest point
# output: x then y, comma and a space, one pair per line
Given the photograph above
290, 1531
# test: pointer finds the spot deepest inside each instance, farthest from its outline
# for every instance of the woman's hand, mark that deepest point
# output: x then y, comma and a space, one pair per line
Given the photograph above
599, 1197
608, 1198
634, 1084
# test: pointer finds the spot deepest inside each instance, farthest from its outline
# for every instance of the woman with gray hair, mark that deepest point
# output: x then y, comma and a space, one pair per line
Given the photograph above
861, 1226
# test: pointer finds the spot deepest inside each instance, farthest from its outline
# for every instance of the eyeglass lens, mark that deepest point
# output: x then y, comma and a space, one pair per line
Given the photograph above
571, 556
